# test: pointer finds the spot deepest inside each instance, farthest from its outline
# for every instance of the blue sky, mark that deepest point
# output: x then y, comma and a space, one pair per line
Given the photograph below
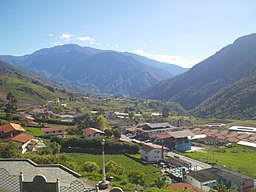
182, 32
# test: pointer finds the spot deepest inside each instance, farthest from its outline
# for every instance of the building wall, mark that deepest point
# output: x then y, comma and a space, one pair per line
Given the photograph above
205, 187
24, 147
154, 155
94, 135
183, 145
52, 133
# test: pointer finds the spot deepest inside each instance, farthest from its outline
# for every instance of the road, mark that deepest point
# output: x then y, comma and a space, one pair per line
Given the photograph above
195, 164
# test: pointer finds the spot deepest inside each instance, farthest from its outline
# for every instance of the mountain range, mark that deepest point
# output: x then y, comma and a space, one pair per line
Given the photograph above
223, 85
92, 70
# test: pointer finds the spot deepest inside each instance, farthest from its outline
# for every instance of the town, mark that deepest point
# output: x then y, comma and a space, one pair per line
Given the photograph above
148, 139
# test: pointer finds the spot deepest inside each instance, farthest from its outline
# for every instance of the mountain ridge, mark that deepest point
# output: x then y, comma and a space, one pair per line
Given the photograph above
207, 78
90, 70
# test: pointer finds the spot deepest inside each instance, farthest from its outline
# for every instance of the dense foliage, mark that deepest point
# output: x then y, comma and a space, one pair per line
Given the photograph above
95, 146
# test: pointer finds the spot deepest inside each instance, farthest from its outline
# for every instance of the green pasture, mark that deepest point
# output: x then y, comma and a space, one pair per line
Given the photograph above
152, 173
238, 158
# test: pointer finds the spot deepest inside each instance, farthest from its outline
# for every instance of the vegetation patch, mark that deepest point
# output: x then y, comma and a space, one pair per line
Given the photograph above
238, 158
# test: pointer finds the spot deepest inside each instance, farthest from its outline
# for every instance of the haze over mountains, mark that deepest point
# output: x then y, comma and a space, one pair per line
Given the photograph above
223, 85
93, 70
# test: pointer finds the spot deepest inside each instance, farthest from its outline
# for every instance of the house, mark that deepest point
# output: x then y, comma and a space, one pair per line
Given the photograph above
14, 132
207, 178
149, 129
27, 119
182, 140
10, 130
54, 131
176, 140
92, 133
22, 139
152, 153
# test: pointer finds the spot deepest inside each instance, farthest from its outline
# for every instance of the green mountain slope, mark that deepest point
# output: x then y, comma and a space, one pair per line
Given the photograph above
26, 88
211, 76
237, 100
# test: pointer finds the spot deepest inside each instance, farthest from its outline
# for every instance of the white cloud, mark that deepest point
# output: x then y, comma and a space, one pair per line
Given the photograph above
85, 38
66, 36
172, 59
50, 35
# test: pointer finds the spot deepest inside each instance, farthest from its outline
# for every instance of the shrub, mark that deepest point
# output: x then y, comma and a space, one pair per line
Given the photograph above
90, 166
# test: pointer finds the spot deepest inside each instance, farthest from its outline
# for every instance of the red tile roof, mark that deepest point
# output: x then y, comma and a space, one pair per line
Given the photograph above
150, 146
27, 117
50, 129
89, 131
122, 140
161, 136
8, 127
131, 129
21, 138
183, 186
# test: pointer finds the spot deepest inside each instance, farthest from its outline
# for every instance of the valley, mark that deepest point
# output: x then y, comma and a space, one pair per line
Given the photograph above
75, 106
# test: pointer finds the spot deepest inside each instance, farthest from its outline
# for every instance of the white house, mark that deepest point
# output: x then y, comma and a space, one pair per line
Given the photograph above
152, 153
207, 178
54, 131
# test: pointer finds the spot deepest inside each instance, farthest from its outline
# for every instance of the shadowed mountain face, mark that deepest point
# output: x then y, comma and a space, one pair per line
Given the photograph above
93, 70
214, 79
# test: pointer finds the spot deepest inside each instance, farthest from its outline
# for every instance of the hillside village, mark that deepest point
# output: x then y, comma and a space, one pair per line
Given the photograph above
160, 142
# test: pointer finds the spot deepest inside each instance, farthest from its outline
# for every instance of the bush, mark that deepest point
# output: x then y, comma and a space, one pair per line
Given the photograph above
90, 166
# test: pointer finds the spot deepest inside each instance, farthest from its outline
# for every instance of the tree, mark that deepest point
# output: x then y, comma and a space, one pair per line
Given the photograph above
137, 177
84, 121
116, 133
101, 122
221, 188
108, 132
131, 115
9, 149
10, 107
114, 167
165, 112
90, 166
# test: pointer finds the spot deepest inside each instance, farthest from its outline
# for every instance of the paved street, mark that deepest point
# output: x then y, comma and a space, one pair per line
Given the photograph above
195, 165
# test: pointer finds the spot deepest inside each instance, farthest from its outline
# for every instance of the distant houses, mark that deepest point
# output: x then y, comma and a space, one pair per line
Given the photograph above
148, 129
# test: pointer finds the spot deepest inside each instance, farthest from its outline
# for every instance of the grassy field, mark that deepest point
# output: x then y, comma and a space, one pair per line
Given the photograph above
152, 173
238, 158
34, 131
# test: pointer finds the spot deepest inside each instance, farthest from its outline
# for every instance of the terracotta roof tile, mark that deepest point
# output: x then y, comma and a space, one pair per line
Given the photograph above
161, 136
89, 131
150, 146
50, 129
22, 138
8, 127
183, 186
